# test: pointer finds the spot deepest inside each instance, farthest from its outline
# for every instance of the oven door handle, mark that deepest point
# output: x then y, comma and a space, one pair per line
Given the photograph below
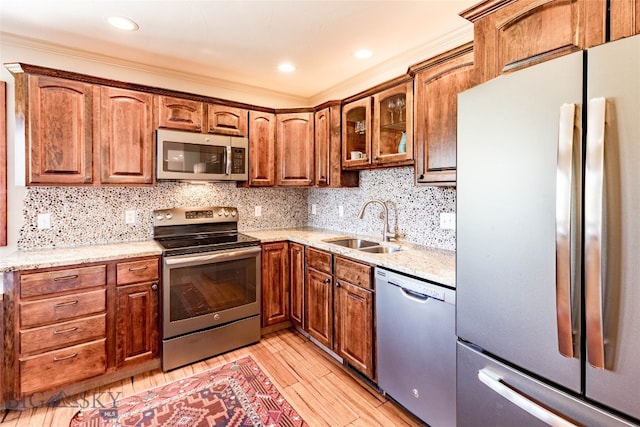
211, 257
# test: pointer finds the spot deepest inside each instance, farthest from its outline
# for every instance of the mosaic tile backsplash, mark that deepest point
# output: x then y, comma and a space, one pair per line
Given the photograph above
86, 215
414, 211
96, 215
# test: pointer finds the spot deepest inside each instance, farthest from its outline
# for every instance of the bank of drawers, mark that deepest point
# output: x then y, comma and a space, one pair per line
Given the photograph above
62, 332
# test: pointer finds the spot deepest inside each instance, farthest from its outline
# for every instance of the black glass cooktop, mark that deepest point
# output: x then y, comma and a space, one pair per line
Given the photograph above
197, 243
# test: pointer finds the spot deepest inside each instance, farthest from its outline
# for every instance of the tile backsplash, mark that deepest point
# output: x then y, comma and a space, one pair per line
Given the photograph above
96, 215
415, 211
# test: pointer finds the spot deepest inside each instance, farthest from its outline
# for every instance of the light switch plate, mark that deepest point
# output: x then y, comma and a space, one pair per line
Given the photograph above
341, 211
314, 209
44, 221
258, 211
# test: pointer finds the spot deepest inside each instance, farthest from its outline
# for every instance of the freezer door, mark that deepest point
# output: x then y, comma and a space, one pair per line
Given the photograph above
612, 279
491, 394
508, 299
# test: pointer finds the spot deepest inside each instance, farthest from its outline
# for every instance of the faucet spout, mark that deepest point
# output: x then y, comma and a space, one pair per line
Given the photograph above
385, 211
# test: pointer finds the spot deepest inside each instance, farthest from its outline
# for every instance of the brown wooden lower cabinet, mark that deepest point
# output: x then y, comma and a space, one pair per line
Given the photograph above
339, 307
69, 329
296, 277
275, 283
353, 337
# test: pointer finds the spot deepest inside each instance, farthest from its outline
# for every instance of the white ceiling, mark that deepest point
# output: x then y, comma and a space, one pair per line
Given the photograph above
244, 41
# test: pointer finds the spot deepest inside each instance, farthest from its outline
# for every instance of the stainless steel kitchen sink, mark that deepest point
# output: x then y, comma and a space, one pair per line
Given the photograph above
381, 249
353, 243
363, 245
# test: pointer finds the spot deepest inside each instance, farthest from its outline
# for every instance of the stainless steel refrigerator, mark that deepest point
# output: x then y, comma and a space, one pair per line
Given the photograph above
548, 243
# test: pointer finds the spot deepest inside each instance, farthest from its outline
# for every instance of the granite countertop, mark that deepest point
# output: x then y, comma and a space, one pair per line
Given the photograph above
436, 265
45, 258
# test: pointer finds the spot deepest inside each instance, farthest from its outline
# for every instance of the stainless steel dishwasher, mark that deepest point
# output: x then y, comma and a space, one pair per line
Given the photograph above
417, 346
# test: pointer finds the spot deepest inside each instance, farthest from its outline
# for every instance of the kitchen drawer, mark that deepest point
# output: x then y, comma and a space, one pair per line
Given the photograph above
353, 272
50, 310
318, 260
62, 334
143, 270
64, 366
36, 284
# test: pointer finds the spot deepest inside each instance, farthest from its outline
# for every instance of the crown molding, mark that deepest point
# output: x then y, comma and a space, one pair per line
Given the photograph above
396, 66
105, 60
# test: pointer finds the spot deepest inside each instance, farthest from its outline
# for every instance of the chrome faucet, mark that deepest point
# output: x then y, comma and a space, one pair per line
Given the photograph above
385, 230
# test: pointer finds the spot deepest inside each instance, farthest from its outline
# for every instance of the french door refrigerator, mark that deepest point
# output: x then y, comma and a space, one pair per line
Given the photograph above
548, 243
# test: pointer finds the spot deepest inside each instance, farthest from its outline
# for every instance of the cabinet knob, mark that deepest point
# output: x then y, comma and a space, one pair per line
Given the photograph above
211, 129
327, 281
421, 177
375, 158
87, 178
337, 284
198, 127
154, 287
147, 179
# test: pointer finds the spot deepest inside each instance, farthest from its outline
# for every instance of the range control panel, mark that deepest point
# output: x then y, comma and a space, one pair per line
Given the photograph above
181, 216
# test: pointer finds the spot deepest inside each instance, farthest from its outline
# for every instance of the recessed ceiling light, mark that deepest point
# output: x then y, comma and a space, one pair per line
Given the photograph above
123, 23
286, 67
363, 54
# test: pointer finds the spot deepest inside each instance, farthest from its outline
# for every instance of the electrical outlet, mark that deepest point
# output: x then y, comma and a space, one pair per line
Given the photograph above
258, 211
340, 211
44, 221
448, 220
314, 209
130, 216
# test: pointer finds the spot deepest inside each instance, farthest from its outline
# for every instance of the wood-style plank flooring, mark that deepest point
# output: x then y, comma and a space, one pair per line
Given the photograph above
322, 391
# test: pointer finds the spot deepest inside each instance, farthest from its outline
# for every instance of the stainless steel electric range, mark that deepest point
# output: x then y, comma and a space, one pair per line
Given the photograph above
210, 283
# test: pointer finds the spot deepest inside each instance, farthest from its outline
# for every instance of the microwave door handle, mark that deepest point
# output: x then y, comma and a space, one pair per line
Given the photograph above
228, 171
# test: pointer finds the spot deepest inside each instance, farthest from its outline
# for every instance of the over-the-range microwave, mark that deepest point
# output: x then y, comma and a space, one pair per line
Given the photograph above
190, 156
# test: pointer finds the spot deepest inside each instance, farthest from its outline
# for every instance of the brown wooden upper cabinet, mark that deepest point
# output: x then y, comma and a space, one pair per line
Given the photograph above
328, 151
227, 120
179, 113
77, 133
510, 35
377, 131
438, 82
125, 136
295, 154
624, 18
262, 149
58, 129
190, 115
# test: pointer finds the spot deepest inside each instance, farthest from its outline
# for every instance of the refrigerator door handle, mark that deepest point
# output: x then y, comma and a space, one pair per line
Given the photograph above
495, 382
564, 200
593, 201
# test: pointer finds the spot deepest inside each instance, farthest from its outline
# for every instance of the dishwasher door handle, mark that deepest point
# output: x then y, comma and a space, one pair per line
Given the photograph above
415, 296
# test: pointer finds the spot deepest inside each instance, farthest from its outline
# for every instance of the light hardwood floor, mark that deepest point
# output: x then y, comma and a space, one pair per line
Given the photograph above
322, 391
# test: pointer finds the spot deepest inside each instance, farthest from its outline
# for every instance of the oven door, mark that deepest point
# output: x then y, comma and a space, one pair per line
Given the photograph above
210, 289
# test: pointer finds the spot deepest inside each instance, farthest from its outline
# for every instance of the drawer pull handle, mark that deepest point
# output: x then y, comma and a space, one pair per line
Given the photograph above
63, 304
64, 331
59, 359
58, 279
144, 267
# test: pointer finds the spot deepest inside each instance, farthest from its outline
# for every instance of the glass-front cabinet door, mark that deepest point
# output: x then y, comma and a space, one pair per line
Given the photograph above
356, 134
393, 125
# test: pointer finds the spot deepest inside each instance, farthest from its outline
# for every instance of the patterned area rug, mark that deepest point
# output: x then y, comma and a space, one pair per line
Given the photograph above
236, 394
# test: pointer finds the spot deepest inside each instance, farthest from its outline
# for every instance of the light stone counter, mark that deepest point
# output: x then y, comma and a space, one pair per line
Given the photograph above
44, 258
436, 265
